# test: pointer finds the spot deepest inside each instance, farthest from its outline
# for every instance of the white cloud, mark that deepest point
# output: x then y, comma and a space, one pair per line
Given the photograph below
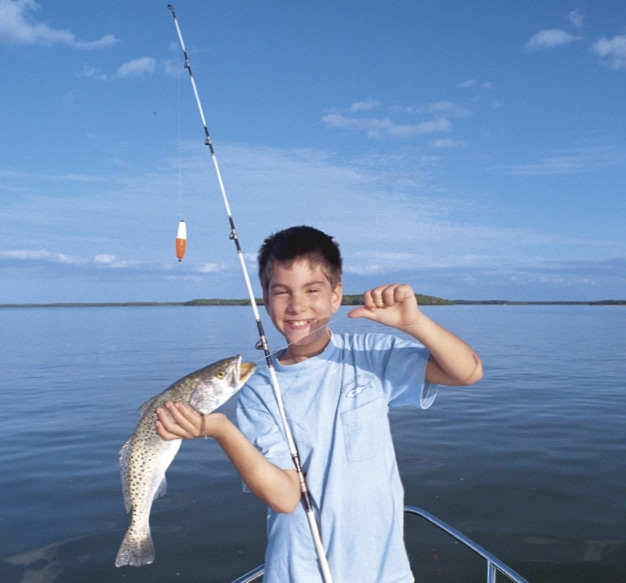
373, 126
18, 28
27, 255
571, 162
109, 260
132, 68
576, 17
381, 127
364, 105
137, 67
448, 143
104, 259
93, 73
173, 68
41, 255
103, 43
444, 107
372, 269
425, 127
375, 206
209, 268
52, 257
572, 273
613, 51
549, 39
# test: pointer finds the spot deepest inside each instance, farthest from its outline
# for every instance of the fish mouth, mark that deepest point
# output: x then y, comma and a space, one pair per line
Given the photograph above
245, 371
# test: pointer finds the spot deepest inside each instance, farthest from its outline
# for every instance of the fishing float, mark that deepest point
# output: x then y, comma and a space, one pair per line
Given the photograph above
295, 456
181, 240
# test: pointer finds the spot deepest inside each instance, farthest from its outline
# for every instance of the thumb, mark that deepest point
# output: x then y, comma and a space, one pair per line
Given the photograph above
362, 312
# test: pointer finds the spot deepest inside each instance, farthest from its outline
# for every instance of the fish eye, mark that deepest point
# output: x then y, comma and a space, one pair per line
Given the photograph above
221, 375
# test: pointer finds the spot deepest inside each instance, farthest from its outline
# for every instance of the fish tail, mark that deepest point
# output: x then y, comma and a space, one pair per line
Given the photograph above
136, 549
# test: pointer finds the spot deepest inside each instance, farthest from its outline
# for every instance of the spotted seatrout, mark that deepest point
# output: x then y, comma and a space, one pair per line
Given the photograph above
145, 457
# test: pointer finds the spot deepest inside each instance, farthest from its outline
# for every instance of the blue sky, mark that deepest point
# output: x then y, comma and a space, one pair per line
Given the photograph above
475, 150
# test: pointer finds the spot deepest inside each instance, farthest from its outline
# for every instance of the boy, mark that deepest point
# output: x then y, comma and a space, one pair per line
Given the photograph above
337, 391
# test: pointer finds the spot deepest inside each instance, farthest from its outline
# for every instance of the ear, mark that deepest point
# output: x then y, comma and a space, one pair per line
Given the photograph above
336, 297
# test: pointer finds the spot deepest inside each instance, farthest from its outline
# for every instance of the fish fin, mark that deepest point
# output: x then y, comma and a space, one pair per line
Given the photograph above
169, 453
143, 408
124, 475
162, 489
137, 549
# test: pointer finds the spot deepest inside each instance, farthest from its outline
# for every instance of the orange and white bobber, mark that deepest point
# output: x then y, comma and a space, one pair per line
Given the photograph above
181, 240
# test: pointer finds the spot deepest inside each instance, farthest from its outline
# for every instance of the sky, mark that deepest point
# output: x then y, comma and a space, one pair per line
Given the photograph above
475, 150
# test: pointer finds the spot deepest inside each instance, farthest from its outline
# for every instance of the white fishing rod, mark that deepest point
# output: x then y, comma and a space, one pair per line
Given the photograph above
295, 456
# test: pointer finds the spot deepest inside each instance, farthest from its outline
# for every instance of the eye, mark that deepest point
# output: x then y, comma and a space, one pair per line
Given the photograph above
220, 375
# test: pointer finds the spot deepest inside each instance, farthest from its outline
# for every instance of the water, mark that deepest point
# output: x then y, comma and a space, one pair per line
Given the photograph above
530, 462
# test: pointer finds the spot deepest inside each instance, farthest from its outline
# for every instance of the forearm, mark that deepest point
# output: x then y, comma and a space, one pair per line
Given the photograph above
278, 488
452, 361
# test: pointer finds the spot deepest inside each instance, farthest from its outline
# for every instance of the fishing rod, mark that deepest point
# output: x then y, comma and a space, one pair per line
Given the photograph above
295, 456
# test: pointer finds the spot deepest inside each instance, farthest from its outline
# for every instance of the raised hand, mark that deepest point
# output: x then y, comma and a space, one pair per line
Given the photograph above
392, 305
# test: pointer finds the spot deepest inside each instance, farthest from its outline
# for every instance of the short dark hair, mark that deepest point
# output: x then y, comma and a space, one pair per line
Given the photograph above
296, 243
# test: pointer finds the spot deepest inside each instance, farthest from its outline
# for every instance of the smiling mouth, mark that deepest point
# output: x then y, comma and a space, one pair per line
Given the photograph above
299, 323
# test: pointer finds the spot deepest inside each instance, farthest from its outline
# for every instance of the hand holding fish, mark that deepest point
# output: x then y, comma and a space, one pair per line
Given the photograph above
393, 305
178, 420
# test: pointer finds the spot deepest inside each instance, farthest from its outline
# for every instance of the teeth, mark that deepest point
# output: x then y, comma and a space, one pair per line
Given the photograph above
299, 323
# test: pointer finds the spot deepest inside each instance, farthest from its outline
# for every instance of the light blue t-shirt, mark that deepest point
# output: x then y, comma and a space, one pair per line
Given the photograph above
337, 405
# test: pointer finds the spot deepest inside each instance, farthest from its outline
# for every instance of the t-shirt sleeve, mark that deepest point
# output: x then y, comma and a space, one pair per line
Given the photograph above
405, 372
259, 425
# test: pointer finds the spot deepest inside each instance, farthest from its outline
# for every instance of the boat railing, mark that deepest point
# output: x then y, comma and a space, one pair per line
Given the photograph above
494, 565
254, 575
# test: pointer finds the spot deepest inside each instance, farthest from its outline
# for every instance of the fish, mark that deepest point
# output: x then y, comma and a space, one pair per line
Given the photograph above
145, 456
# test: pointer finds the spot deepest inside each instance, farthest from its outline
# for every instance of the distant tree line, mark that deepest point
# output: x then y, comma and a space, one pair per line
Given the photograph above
348, 300
423, 300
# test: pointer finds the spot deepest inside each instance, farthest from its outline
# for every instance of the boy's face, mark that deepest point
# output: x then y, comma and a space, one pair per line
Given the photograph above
300, 300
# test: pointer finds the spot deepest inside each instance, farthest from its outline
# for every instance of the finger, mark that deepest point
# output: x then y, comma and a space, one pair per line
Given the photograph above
388, 295
368, 301
172, 422
362, 312
169, 426
397, 293
381, 295
403, 291
374, 298
165, 418
164, 433
184, 416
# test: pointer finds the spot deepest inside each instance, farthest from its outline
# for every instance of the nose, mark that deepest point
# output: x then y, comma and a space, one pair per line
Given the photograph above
296, 303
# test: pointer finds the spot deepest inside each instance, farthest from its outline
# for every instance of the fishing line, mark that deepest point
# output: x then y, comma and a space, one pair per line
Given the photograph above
295, 456
179, 151
327, 326
181, 231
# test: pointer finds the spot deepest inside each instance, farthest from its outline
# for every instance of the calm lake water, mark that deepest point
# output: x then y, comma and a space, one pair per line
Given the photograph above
530, 462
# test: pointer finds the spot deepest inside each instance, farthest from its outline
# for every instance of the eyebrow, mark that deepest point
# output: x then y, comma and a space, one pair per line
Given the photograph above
307, 284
